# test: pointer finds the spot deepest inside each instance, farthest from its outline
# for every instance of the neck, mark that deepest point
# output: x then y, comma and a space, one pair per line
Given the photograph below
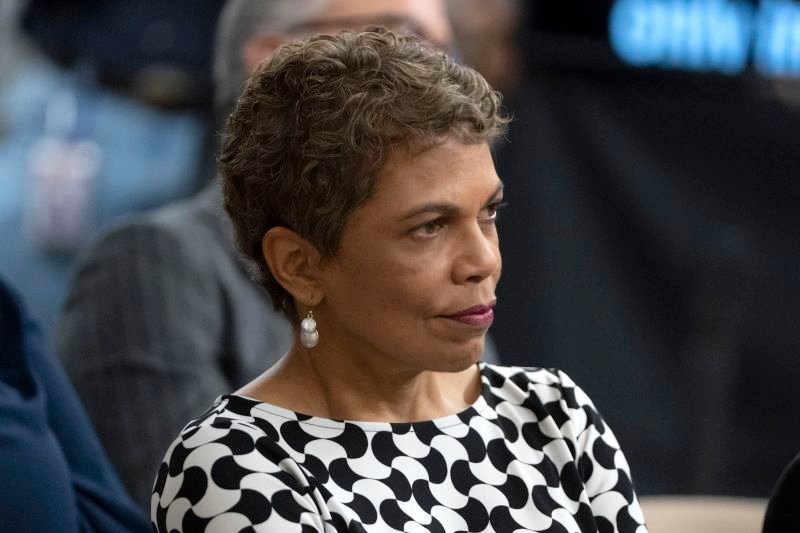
342, 387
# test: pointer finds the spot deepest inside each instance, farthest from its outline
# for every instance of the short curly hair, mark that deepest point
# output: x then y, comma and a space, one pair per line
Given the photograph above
315, 124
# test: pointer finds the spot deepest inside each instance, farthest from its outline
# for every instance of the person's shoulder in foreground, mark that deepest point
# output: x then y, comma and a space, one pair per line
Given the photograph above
53, 473
531, 454
783, 510
162, 316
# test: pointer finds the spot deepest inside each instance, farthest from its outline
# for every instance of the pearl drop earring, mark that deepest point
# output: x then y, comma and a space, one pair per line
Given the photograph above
309, 336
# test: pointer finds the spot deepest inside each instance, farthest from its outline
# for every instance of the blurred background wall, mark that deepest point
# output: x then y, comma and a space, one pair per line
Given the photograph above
652, 242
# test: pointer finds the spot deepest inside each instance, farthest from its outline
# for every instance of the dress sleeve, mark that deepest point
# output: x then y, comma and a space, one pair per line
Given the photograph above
601, 463
230, 476
140, 339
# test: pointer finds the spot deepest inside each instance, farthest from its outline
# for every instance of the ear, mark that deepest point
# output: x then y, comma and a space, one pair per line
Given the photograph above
293, 262
260, 48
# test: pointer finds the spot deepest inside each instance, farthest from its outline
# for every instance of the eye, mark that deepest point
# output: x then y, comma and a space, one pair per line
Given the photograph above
429, 229
490, 211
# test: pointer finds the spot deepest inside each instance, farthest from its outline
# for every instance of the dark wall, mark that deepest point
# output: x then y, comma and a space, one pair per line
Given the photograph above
652, 251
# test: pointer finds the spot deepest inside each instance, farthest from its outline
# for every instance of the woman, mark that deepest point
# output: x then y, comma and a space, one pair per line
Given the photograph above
359, 179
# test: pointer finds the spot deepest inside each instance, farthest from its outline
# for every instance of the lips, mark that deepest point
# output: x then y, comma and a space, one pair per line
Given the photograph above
477, 316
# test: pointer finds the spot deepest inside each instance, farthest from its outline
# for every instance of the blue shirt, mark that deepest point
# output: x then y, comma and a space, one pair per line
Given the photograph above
54, 475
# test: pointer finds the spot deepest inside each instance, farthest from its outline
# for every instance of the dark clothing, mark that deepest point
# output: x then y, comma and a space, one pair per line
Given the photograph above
783, 510
53, 473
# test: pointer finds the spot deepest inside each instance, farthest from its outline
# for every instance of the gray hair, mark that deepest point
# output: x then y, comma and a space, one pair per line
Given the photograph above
240, 21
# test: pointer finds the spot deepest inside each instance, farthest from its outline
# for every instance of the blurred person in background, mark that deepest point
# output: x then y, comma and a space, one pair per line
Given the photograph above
104, 109
486, 33
10, 45
162, 315
54, 475
783, 509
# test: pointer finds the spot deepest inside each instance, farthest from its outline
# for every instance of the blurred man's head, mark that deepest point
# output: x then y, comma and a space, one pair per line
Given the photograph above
250, 30
486, 34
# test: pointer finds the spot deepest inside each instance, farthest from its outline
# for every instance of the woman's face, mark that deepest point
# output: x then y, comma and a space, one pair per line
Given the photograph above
413, 283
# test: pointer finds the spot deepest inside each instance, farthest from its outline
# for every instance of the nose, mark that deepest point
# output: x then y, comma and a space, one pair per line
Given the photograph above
478, 255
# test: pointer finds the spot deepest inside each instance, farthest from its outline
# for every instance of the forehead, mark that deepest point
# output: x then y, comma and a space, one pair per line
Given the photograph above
447, 171
428, 15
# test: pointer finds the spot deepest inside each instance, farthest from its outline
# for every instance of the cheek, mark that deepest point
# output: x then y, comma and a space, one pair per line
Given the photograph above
391, 287
402, 286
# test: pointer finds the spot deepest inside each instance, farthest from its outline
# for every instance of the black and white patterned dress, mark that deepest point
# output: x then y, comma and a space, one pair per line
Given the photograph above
531, 454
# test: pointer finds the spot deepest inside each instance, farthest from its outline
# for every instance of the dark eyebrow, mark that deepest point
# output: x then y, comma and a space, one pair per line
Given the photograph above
498, 190
445, 209
439, 209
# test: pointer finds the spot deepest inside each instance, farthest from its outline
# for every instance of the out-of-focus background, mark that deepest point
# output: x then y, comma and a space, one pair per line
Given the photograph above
104, 110
651, 245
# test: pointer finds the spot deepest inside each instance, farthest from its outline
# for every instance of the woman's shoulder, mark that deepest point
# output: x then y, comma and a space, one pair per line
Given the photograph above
546, 391
229, 462
230, 428
529, 379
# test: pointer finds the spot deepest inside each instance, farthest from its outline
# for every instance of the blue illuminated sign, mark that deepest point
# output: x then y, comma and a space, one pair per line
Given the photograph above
721, 36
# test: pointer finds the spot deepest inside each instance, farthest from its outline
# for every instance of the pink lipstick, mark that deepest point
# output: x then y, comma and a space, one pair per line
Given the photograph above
480, 316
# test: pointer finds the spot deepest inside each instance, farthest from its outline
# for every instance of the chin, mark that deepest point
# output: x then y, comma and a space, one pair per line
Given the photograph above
461, 360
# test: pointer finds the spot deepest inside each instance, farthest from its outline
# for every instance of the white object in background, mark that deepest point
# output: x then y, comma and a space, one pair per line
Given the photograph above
703, 514
63, 170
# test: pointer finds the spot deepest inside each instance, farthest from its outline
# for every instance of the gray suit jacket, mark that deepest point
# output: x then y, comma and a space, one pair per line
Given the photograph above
162, 317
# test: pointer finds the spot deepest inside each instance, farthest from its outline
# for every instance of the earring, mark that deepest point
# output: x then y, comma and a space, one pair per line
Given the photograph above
309, 336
